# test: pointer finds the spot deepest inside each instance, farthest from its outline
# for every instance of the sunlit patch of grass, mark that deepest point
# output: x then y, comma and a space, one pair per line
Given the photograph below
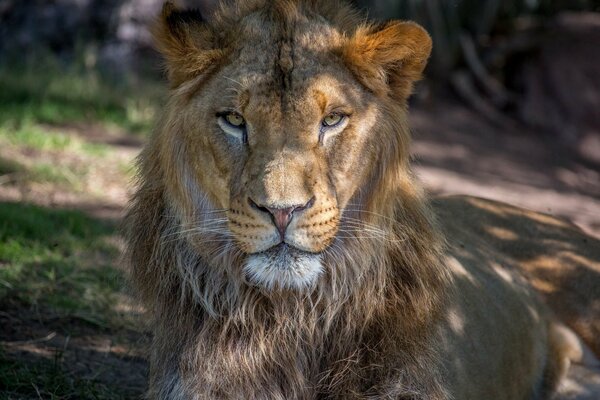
49, 145
62, 260
45, 111
41, 138
53, 94
34, 137
48, 379
57, 175
60, 176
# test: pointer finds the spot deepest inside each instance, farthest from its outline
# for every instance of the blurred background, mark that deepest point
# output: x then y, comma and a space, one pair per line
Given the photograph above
510, 110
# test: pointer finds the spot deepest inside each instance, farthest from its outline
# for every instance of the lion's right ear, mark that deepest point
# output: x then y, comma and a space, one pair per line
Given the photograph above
388, 57
186, 42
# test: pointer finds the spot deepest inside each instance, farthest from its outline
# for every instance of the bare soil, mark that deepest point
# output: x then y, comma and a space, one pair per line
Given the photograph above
459, 152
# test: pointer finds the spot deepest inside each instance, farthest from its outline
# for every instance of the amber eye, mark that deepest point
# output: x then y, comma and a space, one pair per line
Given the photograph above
234, 119
233, 124
332, 120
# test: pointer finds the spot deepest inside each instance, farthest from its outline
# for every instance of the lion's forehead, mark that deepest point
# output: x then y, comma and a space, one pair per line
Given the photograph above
260, 32
263, 88
275, 61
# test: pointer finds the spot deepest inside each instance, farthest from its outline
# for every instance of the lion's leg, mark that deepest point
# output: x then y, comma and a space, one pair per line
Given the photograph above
580, 369
564, 347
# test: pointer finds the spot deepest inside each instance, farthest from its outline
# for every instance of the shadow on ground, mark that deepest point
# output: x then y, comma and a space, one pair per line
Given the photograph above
459, 152
67, 327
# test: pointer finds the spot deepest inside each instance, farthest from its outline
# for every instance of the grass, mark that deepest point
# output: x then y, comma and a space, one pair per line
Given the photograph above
43, 155
61, 263
48, 380
48, 93
32, 136
59, 258
48, 111
40, 104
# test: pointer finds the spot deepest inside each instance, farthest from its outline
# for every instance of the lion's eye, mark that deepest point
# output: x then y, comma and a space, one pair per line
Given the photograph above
235, 119
332, 124
232, 124
332, 120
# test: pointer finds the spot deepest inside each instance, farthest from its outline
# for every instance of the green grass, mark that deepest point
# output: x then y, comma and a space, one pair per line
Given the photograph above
46, 110
48, 379
57, 263
61, 259
55, 174
48, 93
39, 148
31, 136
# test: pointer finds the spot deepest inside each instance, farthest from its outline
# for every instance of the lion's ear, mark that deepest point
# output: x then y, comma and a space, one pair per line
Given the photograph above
186, 42
389, 57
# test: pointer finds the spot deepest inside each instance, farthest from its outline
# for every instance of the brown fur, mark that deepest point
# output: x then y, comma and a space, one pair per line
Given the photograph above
393, 314
558, 259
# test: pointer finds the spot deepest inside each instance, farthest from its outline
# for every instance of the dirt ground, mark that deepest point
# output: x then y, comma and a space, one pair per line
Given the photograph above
456, 151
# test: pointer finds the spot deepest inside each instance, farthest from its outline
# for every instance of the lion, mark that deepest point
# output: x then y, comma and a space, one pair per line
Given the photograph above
281, 243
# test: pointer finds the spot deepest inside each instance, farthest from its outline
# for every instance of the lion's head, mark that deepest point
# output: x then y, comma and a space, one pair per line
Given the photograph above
285, 133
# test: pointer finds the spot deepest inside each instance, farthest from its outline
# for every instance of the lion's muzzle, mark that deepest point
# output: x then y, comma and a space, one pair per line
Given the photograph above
281, 216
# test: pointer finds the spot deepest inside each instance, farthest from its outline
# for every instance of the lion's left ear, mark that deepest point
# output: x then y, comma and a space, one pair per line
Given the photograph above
388, 58
186, 42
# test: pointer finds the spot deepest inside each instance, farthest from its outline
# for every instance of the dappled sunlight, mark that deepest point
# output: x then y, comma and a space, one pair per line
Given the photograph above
501, 233
456, 320
459, 152
557, 258
502, 272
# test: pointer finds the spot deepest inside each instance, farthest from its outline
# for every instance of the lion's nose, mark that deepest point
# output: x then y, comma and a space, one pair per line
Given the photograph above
281, 216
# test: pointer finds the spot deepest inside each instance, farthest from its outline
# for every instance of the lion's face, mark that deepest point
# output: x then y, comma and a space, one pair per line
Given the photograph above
280, 138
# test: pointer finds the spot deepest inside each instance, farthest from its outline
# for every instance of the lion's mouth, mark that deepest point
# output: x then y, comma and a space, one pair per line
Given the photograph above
284, 249
283, 266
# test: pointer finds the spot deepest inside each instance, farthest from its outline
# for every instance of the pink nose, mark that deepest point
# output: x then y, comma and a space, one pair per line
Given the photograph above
281, 216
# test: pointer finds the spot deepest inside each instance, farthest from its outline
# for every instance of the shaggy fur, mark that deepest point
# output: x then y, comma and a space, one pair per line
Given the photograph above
374, 306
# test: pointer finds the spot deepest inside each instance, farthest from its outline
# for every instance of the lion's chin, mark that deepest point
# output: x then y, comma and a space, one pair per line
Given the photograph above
283, 267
